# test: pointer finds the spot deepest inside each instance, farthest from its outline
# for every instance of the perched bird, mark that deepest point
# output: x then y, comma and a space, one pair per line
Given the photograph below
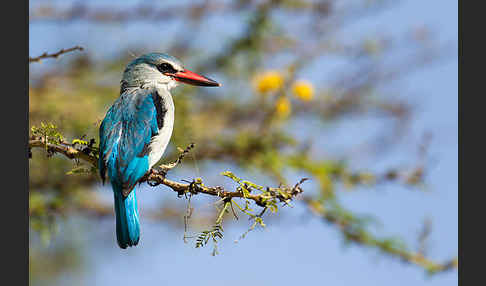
136, 130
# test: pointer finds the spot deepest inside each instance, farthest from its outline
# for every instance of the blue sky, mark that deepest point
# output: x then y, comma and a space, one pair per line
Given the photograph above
297, 249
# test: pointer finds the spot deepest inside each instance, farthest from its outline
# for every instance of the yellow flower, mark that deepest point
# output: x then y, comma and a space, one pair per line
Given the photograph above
269, 81
303, 90
283, 107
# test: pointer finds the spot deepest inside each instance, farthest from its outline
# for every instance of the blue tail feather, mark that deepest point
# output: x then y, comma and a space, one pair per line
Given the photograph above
127, 223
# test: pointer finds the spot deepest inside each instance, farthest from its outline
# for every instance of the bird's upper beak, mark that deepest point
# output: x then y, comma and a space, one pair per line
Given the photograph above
190, 77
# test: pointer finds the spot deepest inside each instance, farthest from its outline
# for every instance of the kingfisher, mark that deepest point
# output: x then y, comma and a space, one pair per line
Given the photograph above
136, 131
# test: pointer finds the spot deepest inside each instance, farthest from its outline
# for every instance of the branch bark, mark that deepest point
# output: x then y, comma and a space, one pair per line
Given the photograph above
65, 149
157, 177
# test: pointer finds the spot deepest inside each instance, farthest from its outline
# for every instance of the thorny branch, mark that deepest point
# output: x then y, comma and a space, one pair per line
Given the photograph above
54, 55
157, 177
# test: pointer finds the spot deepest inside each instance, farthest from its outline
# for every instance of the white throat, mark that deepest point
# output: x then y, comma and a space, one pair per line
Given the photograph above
159, 142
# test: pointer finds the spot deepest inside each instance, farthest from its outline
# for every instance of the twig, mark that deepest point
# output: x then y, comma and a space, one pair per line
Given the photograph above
424, 235
167, 167
54, 55
187, 216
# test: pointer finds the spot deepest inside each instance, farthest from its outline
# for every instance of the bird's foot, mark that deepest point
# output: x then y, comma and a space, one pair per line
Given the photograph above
150, 177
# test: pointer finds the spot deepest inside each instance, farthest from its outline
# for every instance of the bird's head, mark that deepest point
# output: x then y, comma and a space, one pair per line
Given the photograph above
161, 70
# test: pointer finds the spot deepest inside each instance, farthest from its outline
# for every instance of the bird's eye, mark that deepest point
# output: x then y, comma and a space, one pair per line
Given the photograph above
166, 68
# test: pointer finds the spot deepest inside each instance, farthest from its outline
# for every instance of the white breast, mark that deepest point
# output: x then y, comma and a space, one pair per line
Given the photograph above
159, 142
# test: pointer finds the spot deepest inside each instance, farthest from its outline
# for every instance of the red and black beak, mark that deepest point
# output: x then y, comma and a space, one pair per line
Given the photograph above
190, 77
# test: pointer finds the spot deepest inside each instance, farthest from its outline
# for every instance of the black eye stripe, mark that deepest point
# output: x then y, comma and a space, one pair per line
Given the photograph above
166, 68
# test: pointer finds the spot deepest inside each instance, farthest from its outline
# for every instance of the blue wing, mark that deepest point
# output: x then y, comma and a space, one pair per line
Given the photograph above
125, 135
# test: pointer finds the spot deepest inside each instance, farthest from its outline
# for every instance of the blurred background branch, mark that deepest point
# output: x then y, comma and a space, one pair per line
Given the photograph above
54, 55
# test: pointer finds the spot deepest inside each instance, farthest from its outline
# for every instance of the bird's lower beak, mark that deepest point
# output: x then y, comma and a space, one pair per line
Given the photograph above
190, 77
